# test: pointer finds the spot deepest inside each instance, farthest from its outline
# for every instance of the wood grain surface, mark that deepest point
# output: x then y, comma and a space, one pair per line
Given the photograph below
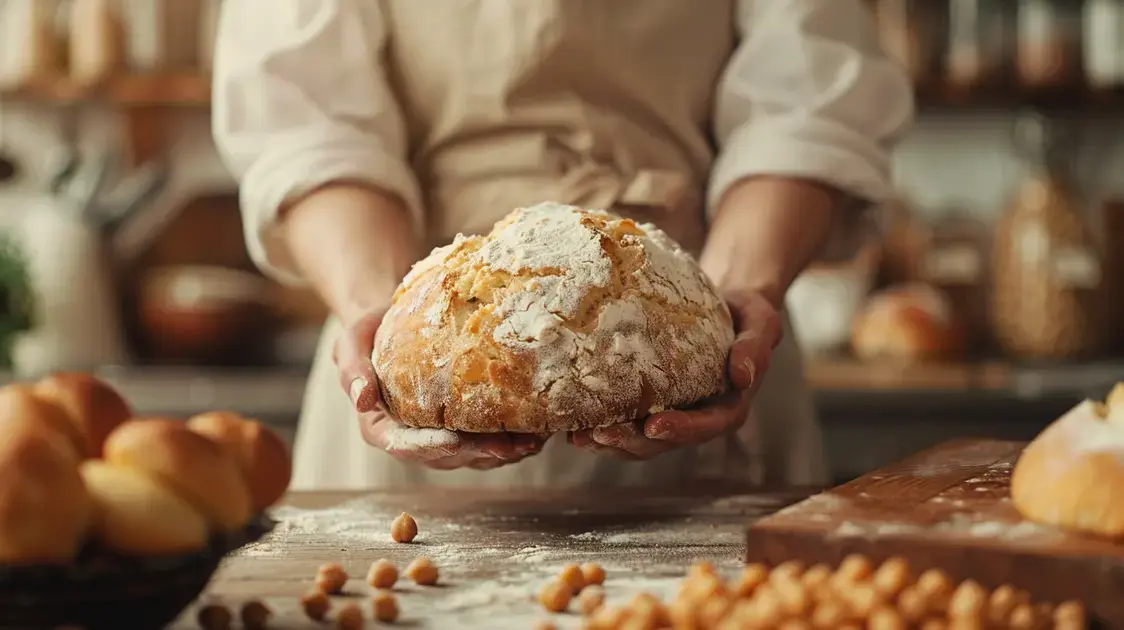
948, 507
494, 549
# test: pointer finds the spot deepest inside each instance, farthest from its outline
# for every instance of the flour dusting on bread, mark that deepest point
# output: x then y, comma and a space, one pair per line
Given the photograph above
559, 319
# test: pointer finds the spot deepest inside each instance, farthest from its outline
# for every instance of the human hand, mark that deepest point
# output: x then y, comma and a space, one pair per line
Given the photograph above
758, 327
436, 448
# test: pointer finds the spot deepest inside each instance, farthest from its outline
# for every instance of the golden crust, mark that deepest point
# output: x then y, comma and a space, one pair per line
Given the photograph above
559, 319
1072, 475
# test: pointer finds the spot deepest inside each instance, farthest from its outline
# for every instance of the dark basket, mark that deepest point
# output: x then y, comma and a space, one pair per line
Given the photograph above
103, 592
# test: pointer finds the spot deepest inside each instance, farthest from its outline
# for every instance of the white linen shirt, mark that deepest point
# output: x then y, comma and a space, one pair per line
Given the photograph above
301, 99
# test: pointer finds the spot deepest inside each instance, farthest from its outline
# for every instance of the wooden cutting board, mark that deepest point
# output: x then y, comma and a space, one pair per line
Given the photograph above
948, 507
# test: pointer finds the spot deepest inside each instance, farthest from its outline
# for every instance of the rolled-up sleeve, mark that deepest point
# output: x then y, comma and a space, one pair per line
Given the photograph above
300, 101
809, 93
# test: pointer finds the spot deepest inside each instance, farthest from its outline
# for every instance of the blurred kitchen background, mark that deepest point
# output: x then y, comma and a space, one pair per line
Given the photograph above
992, 302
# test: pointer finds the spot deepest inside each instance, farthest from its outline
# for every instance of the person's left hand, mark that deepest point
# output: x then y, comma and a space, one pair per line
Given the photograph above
758, 327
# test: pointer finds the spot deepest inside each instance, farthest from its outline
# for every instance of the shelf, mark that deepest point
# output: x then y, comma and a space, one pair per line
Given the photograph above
1075, 100
169, 90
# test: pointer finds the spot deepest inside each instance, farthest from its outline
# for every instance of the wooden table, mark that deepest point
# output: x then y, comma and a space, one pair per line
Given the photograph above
494, 549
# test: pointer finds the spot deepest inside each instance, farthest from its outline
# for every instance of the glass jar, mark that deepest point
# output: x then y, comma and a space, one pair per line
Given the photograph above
980, 41
1049, 43
1047, 295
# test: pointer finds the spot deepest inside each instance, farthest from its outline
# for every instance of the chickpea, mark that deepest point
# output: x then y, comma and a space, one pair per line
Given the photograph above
792, 570
749, 579
969, 601
331, 578
1071, 614
1000, 605
828, 615
816, 576
854, 568
255, 615
794, 600
404, 528
555, 596
214, 617
713, 611
913, 604
316, 605
382, 574
422, 571
572, 574
350, 617
1023, 618
886, 618
590, 599
592, 573
892, 576
384, 607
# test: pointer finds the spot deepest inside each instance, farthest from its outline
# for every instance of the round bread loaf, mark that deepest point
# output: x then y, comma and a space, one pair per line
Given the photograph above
95, 408
134, 514
44, 507
906, 323
261, 453
197, 468
560, 319
23, 401
1072, 475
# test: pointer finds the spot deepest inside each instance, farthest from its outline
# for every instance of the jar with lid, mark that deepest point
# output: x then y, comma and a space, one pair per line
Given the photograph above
956, 263
1049, 43
1047, 298
1104, 43
912, 31
981, 37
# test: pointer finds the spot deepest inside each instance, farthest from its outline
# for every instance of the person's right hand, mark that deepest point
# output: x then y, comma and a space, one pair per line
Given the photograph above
436, 448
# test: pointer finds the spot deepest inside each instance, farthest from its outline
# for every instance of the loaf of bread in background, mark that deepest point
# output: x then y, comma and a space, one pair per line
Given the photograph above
261, 452
44, 507
1072, 474
21, 401
198, 469
560, 319
135, 514
93, 406
907, 323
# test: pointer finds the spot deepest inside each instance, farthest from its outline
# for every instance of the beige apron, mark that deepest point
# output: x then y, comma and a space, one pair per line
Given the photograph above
503, 110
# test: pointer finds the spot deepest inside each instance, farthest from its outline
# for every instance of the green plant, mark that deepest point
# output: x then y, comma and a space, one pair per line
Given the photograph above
17, 299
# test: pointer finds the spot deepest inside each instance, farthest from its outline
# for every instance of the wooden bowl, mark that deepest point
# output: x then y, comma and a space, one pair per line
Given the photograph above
105, 592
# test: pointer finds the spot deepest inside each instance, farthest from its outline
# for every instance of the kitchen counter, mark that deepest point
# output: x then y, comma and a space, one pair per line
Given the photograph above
494, 549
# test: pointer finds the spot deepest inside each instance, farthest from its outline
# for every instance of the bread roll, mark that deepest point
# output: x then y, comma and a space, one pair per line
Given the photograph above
44, 508
559, 319
134, 514
23, 402
94, 407
197, 468
911, 322
262, 454
1072, 475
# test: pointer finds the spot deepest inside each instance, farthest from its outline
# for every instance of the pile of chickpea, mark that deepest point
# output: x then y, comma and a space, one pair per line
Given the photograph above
855, 595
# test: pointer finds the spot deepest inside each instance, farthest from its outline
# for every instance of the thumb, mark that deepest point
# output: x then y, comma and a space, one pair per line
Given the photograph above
759, 330
353, 358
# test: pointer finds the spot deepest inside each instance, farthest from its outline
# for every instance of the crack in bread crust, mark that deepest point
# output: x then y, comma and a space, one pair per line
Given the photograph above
560, 319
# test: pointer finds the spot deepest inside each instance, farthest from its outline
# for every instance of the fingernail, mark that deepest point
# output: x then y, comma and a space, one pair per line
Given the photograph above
657, 432
355, 390
750, 370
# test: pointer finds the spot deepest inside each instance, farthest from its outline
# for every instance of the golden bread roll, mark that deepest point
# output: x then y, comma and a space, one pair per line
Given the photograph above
44, 507
1072, 475
197, 468
910, 322
262, 454
22, 401
94, 407
559, 319
135, 514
